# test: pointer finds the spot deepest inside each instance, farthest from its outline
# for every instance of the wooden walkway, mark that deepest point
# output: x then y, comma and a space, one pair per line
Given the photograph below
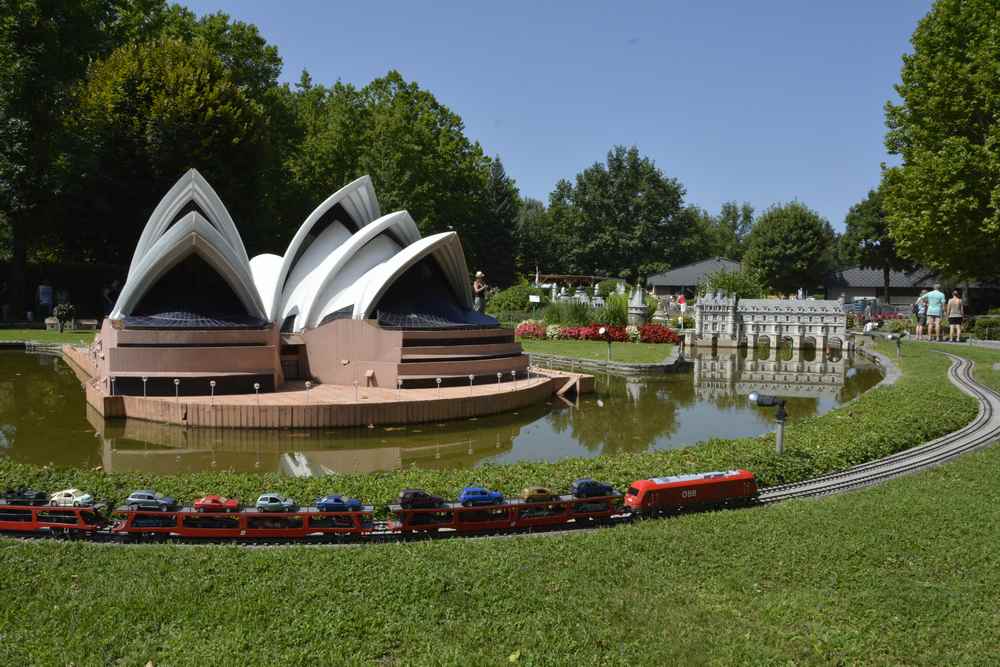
325, 406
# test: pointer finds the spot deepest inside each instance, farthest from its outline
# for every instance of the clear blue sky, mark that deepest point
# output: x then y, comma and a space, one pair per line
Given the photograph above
750, 101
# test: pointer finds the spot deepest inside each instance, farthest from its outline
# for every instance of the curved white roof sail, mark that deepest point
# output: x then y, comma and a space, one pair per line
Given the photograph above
264, 269
444, 247
192, 234
358, 199
190, 188
324, 286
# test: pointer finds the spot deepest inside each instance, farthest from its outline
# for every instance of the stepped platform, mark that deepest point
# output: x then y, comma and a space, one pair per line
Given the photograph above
291, 405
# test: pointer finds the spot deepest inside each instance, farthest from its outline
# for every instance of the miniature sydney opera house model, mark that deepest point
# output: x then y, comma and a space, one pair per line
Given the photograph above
357, 296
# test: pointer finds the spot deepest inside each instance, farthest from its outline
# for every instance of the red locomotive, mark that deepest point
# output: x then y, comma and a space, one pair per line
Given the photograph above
698, 491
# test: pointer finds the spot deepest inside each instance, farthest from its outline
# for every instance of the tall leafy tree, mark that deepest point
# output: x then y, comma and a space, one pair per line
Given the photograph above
732, 227
623, 217
538, 247
943, 201
148, 113
494, 234
866, 240
790, 247
45, 48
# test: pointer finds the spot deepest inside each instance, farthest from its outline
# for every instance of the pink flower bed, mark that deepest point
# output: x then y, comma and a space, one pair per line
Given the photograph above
648, 333
530, 330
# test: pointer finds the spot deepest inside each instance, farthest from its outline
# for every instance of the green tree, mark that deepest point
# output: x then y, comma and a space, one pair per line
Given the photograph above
732, 227
620, 218
743, 284
45, 47
148, 113
535, 240
494, 233
866, 240
943, 201
790, 247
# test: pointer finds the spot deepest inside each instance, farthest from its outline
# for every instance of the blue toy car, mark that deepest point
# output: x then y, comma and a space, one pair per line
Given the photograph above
477, 495
589, 488
337, 503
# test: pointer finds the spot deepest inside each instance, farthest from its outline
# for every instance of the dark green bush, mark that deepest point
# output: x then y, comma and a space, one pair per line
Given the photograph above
515, 298
568, 313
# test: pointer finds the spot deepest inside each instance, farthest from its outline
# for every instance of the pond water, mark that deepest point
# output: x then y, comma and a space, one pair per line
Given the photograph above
45, 420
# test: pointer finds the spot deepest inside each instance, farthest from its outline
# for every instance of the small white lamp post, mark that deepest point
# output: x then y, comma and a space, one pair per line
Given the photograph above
513, 375
438, 381
499, 375
308, 387
177, 389
144, 380
355, 391
256, 391
471, 378
607, 336
399, 385
779, 418
211, 389
112, 385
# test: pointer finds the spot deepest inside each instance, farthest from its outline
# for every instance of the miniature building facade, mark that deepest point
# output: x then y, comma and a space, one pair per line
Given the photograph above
357, 296
725, 321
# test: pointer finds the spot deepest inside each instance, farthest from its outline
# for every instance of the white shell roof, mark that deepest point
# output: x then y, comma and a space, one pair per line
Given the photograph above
318, 274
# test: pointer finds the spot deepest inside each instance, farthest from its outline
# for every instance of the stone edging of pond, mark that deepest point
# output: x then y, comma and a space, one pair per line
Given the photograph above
674, 363
890, 372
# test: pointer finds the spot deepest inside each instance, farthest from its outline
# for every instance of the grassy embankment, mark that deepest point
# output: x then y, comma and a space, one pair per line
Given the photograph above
629, 353
43, 336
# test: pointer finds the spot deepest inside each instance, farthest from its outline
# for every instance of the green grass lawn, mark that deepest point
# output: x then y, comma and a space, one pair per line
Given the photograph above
43, 336
633, 353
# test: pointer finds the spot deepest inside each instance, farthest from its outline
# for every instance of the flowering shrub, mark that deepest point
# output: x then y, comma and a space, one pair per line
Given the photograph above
530, 329
632, 332
881, 317
553, 332
657, 333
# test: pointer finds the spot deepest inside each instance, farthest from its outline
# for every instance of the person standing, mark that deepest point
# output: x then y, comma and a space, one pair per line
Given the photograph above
935, 308
955, 312
920, 310
479, 292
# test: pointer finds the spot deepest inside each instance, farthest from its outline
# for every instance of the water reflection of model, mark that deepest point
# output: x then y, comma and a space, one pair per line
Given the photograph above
134, 445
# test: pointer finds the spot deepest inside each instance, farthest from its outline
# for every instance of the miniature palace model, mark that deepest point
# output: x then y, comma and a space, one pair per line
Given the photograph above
358, 298
726, 321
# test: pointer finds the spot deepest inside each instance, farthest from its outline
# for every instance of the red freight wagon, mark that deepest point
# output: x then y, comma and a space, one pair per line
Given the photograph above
248, 524
513, 514
55, 520
697, 491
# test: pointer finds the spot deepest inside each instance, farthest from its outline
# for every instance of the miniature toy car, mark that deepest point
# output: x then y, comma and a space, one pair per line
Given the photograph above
214, 503
146, 499
71, 498
337, 503
477, 495
586, 487
418, 498
275, 502
537, 494
23, 496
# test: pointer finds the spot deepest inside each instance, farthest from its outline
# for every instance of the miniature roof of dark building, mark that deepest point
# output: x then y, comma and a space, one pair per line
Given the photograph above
692, 274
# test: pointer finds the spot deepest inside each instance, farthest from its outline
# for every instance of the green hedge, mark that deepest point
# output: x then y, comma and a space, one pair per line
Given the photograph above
921, 406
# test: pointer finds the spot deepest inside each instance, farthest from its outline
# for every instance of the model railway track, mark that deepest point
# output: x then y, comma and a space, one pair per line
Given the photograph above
980, 432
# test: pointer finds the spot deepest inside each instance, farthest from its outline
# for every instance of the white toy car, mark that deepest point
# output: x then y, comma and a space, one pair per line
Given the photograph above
71, 498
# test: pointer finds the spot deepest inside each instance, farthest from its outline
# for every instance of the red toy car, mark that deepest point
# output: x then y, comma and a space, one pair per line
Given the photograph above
698, 491
217, 504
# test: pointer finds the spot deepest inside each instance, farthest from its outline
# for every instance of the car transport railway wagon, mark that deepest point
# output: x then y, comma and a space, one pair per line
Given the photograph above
696, 491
